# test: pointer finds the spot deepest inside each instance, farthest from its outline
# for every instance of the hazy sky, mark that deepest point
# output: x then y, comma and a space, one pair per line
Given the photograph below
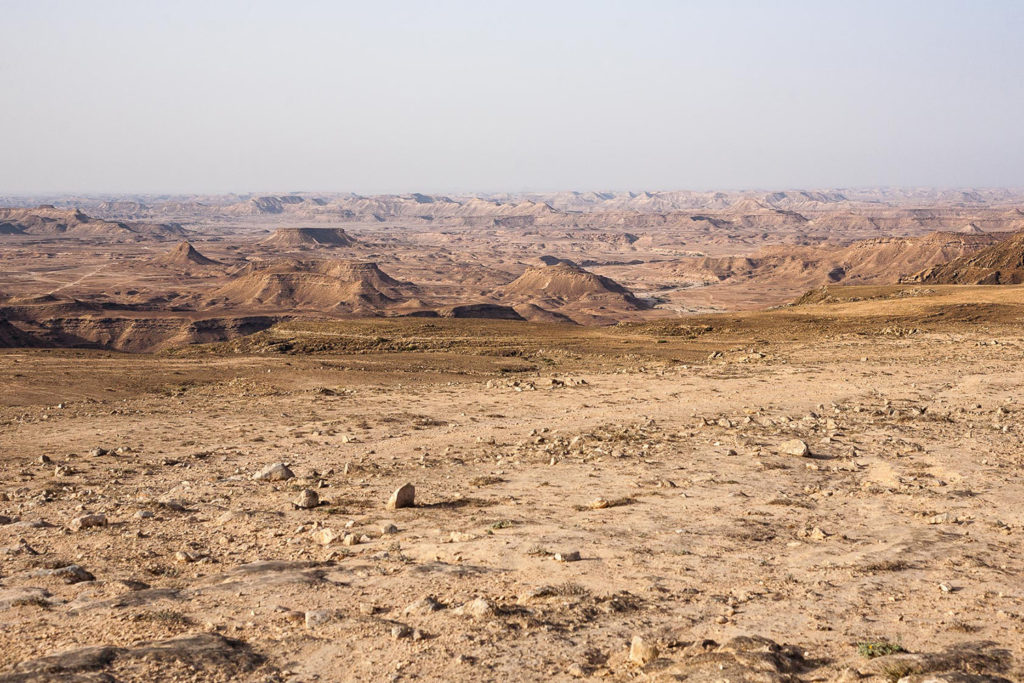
487, 95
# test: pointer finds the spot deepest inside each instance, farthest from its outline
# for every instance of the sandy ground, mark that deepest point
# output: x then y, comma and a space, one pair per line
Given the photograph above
728, 559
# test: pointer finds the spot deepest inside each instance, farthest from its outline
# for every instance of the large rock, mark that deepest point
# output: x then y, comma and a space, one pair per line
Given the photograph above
87, 522
403, 497
642, 651
275, 472
795, 447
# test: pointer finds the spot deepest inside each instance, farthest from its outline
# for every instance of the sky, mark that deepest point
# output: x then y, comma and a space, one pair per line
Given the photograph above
149, 96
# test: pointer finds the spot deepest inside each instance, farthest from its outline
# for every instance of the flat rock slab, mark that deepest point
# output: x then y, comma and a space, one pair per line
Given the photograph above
204, 651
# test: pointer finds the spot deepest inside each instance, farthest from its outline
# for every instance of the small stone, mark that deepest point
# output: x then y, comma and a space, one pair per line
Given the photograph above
795, 447
367, 609
349, 539
403, 497
295, 616
143, 514
87, 522
388, 529
96, 452
478, 608
424, 606
70, 574
399, 631
45, 460
576, 671
641, 651
318, 617
598, 504
306, 500
324, 536
571, 556
275, 472
63, 471
184, 557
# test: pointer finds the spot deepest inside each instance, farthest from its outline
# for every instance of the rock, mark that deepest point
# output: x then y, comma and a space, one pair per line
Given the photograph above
96, 452
306, 500
400, 631
143, 514
423, 606
642, 651
597, 504
172, 504
950, 677
70, 574
11, 597
318, 617
185, 557
571, 556
87, 522
403, 497
478, 608
275, 472
795, 447
388, 529
295, 616
210, 653
349, 539
324, 536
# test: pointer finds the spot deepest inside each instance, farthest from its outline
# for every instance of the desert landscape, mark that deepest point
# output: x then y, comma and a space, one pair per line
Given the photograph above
666, 436
482, 342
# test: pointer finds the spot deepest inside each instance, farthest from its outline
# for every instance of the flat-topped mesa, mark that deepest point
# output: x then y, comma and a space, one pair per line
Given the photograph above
328, 286
309, 237
563, 283
185, 255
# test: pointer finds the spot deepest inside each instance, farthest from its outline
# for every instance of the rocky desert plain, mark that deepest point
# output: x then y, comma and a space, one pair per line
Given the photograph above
697, 436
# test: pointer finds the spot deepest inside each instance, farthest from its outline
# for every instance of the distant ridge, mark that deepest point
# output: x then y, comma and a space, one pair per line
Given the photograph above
46, 220
999, 264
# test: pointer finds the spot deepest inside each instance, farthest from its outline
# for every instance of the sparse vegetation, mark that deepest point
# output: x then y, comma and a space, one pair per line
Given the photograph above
878, 648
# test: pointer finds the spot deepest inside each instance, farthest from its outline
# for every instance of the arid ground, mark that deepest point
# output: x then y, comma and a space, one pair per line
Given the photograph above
619, 471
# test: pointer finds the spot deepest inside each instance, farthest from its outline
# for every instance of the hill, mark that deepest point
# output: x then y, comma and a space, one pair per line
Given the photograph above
562, 283
1000, 264
329, 286
309, 237
49, 221
185, 255
872, 261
